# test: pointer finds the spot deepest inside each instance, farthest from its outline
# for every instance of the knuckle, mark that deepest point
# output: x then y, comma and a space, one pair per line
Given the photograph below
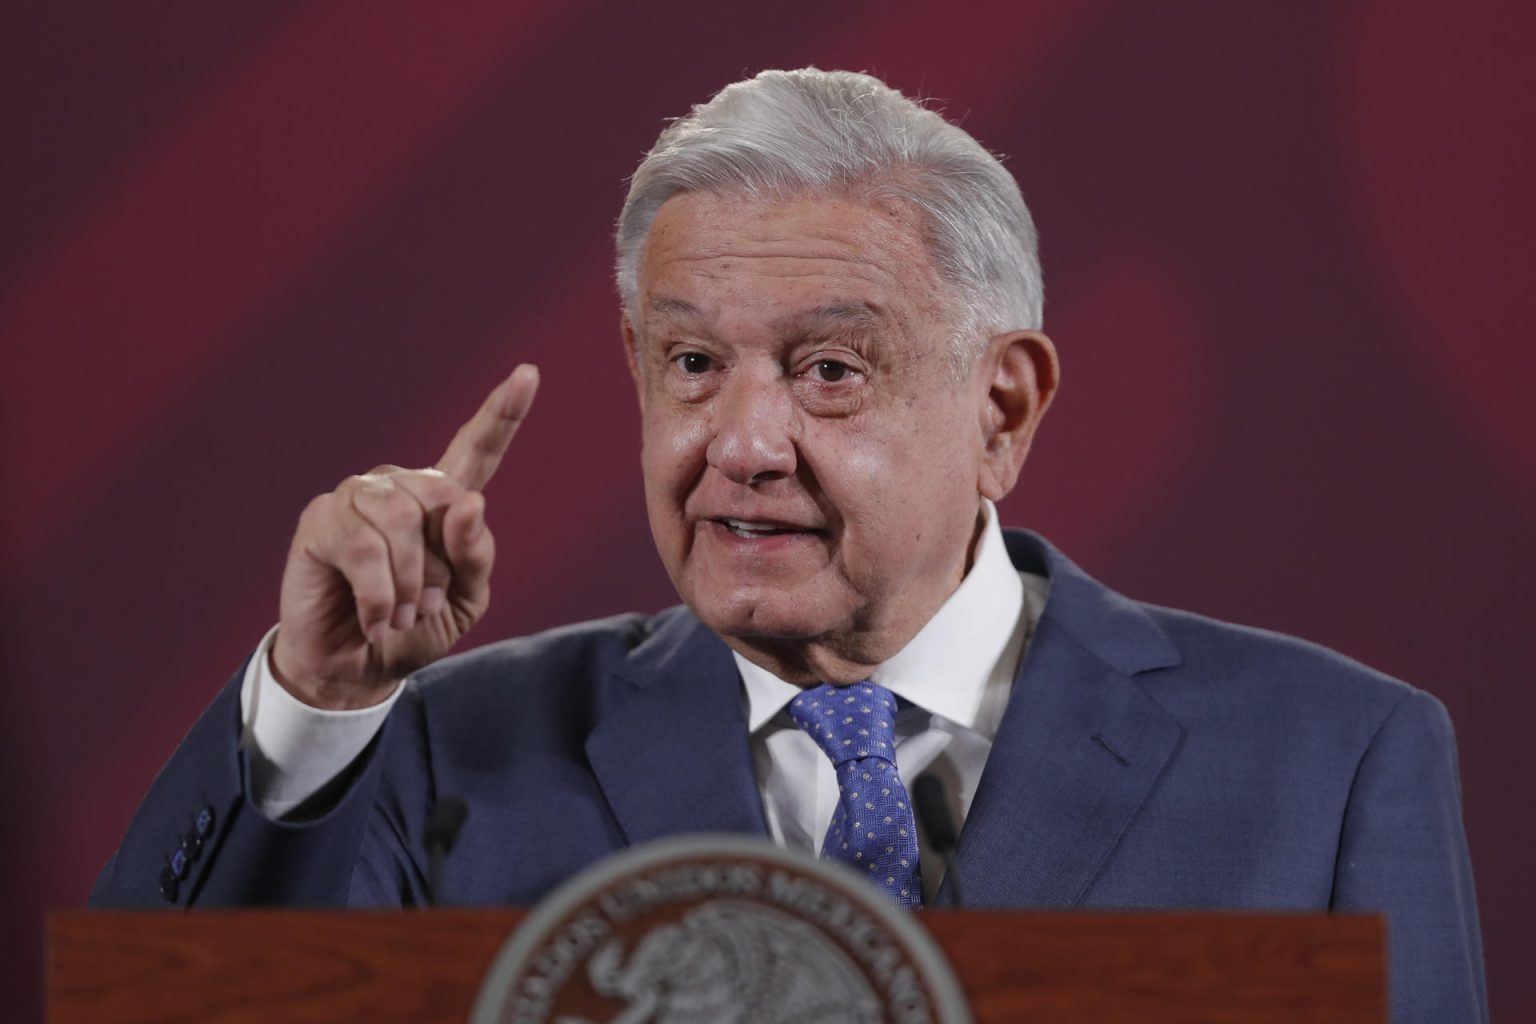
400, 511
362, 547
374, 604
434, 487
490, 446
315, 509
373, 592
372, 488
435, 572
406, 561
321, 518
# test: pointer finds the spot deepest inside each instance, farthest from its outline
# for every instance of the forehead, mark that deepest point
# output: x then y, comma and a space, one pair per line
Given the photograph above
715, 257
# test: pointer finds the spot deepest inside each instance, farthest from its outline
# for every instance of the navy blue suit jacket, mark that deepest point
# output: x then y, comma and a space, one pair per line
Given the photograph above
1147, 758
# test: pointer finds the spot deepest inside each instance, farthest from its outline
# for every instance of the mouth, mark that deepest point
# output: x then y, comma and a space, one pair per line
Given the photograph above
749, 529
753, 530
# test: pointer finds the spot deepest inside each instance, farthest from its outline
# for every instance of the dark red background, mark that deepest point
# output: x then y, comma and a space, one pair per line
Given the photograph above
249, 249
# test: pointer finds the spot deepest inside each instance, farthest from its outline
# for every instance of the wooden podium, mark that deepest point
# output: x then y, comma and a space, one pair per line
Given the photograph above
427, 965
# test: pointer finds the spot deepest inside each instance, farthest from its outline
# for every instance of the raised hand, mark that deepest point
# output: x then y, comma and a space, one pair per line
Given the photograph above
389, 570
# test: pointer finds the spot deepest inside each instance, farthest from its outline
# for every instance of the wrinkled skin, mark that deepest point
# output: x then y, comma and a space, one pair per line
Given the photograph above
793, 362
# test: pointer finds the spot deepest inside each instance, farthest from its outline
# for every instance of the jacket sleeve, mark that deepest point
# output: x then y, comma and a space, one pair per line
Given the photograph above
1403, 851
198, 838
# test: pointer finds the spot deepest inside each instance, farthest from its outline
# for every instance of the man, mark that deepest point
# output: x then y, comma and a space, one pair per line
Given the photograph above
832, 312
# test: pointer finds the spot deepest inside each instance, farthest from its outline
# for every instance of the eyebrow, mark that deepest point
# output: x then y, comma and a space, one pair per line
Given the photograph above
859, 315
672, 309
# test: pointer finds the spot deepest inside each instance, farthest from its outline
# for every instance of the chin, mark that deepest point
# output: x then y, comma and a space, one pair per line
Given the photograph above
783, 615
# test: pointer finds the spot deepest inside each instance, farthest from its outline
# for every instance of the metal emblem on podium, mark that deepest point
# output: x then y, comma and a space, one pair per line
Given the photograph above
719, 930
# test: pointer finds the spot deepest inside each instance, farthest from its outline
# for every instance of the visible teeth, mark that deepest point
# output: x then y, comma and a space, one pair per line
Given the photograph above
746, 529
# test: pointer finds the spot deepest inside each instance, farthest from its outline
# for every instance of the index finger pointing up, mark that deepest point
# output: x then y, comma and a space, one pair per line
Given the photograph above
474, 453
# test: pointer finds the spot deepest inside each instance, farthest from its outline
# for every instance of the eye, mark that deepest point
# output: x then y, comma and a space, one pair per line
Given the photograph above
830, 371
694, 363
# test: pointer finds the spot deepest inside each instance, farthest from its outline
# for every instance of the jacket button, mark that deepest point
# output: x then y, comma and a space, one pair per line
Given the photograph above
203, 824
192, 845
169, 884
178, 866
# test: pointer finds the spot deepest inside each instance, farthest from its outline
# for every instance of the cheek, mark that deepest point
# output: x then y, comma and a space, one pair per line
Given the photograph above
673, 450
893, 487
868, 471
863, 473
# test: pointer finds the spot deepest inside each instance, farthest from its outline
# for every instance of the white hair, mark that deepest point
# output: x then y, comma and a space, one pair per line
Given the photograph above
784, 133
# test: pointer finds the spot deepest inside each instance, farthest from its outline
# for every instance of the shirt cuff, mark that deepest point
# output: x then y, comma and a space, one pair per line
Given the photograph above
294, 750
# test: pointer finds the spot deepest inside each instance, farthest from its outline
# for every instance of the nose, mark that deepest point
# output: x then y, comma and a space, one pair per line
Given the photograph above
753, 428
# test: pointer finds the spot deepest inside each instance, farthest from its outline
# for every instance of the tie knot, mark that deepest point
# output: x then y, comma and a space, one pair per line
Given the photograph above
848, 722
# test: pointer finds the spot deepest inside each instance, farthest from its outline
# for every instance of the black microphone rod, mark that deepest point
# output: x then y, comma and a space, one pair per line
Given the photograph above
443, 826
932, 812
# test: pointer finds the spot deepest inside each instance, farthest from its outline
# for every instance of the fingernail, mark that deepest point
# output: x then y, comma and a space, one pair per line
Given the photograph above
432, 600
377, 632
477, 524
405, 615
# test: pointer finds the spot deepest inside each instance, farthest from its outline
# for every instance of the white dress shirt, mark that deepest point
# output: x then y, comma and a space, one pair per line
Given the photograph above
954, 677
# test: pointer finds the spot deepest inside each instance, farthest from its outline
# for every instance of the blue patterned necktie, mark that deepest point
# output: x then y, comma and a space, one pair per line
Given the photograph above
872, 828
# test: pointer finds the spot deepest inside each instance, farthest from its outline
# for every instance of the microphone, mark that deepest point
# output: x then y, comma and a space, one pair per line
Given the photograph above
443, 826
932, 812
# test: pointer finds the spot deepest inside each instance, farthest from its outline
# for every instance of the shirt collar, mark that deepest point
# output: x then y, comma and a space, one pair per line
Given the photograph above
956, 664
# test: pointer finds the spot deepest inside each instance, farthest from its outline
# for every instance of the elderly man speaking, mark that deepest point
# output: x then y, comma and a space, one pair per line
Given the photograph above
831, 312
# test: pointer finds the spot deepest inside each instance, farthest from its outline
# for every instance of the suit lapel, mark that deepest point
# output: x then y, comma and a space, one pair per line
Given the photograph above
670, 745
1079, 747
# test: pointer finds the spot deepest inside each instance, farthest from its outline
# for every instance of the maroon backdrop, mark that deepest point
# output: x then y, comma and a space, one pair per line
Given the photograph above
247, 250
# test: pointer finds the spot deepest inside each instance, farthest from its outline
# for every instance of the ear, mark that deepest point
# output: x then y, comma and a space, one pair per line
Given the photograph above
1020, 372
632, 354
